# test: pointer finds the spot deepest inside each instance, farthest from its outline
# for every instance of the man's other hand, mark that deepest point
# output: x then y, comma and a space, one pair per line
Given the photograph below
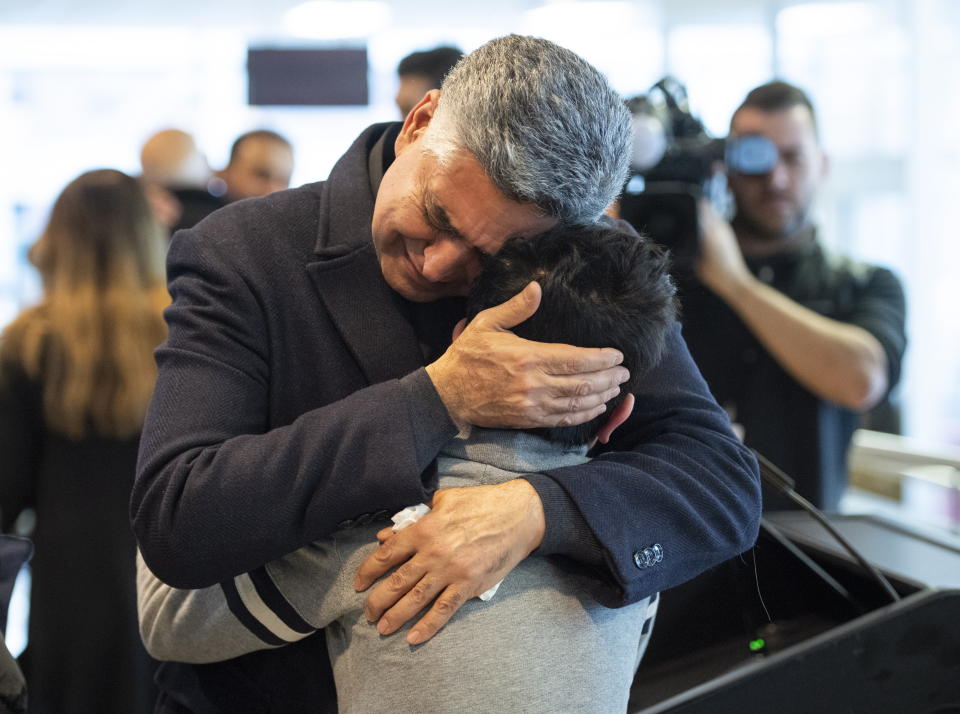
490, 377
468, 542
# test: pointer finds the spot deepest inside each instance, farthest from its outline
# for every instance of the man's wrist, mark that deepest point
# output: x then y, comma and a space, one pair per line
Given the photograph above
738, 289
565, 530
447, 394
429, 417
533, 521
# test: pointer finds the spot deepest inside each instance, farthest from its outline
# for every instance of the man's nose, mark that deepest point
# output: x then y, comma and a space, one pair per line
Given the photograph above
779, 176
444, 258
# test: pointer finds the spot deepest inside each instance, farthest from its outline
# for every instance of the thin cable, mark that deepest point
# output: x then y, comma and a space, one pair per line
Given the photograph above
756, 579
785, 484
834, 584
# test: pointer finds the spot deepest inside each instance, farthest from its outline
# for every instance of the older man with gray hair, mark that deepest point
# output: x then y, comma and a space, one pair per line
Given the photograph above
309, 383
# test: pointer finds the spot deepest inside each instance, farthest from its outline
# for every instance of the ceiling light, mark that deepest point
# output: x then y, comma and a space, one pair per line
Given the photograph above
332, 20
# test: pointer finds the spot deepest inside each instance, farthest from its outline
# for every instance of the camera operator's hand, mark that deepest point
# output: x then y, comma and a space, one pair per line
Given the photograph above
839, 362
721, 266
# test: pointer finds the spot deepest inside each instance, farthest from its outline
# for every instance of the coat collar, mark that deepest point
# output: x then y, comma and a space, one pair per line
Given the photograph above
348, 195
347, 276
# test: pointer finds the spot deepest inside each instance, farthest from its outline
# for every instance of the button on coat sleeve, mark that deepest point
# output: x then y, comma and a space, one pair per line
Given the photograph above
673, 476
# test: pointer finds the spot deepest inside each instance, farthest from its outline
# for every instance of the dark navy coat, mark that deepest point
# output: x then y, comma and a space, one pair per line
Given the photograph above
291, 398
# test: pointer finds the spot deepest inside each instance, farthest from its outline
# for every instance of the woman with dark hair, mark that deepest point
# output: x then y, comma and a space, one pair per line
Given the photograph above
76, 373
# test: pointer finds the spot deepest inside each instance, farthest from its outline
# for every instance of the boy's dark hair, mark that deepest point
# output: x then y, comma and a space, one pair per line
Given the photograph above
602, 287
778, 96
432, 64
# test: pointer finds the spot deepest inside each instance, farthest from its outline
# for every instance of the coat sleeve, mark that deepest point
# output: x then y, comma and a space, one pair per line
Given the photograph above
219, 490
881, 310
673, 494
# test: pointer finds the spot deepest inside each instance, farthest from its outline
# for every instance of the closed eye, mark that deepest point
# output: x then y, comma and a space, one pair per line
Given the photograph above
436, 217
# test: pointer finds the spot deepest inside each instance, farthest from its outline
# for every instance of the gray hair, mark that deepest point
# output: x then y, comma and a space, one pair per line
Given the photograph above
544, 124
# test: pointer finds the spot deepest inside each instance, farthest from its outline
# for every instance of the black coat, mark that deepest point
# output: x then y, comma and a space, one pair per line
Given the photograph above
84, 652
290, 399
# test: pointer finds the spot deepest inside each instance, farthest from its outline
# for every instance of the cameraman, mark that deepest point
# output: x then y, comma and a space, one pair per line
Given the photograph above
793, 341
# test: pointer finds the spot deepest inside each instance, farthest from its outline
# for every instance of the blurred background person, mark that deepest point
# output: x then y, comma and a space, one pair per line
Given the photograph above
422, 71
794, 341
261, 162
176, 175
76, 373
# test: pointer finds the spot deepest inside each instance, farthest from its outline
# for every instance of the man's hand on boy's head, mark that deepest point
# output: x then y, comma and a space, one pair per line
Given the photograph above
490, 377
468, 542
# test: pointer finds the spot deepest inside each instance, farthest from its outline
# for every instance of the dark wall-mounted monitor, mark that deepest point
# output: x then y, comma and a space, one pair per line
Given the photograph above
307, 77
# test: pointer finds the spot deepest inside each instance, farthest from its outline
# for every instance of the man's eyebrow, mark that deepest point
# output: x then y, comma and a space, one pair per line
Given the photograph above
436, 216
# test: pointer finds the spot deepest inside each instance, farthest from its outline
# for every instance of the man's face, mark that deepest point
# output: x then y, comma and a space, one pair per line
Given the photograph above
261, 166
411, 91
431, 223
777, 204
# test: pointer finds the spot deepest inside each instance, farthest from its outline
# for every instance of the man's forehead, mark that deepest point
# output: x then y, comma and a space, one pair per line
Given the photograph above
416, 83
446, 192
261, 146
789, 127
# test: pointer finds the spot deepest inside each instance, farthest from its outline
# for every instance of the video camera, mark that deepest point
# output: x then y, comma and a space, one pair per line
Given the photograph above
674, 164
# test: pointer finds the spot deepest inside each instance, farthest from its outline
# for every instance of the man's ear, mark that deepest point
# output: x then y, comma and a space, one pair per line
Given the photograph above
417, 121
619, 415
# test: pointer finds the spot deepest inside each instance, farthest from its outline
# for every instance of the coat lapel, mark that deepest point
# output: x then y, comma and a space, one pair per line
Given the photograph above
365, 311
347, 274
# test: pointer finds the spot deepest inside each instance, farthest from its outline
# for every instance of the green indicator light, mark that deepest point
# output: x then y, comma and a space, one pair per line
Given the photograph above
757, 644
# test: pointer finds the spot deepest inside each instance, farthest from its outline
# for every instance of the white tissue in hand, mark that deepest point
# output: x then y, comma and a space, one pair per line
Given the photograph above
487, 594
412, 514
409, 515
